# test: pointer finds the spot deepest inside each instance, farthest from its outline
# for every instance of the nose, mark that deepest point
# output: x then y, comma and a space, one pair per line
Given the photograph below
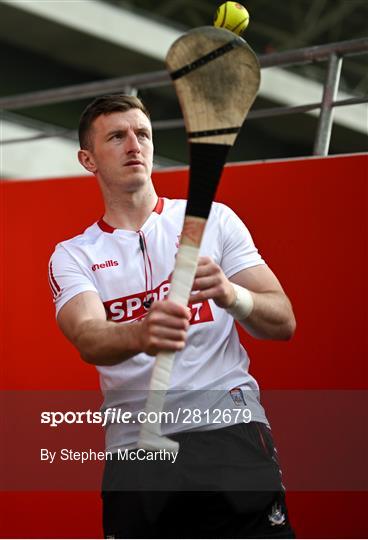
133, 146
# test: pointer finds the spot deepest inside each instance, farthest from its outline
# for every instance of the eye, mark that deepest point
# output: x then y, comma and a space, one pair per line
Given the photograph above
116, 136
144, 134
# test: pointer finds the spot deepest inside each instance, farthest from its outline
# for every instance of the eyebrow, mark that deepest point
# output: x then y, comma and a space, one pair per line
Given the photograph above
123, 130
114, 132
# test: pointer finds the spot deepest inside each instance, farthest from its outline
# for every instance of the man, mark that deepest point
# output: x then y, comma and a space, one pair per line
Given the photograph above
110, 286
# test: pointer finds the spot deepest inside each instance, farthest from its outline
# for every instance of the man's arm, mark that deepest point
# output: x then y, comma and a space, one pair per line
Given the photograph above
101, 342
272, 316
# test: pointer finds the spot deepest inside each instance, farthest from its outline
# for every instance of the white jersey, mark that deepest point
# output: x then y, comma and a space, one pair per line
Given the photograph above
126, 268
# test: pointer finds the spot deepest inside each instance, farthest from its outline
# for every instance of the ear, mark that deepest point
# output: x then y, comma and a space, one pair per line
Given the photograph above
87, 161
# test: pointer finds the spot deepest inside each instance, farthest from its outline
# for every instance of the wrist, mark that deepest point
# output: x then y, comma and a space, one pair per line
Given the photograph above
243, 305
136, 337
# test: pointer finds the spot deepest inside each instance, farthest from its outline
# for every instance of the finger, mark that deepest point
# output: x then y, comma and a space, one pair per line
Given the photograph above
206, 294
167, 320
203, 283
171, 308
207, 269
158, 345
168, 345
204, 260
170, 334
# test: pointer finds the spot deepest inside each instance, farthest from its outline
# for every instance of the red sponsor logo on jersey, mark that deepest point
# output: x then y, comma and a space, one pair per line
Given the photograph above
130, 308
105, 264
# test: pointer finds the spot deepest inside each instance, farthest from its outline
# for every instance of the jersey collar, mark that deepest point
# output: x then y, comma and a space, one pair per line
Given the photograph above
105, 227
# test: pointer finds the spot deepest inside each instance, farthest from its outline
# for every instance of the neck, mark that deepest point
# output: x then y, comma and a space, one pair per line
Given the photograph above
130, 211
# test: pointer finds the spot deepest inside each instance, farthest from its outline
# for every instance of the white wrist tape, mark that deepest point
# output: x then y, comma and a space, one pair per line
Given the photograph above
243, 305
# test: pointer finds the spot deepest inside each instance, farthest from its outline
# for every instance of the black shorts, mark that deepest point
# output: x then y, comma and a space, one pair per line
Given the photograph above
224, 483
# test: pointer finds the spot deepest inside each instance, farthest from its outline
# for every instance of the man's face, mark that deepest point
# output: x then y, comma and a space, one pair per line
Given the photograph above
122, 149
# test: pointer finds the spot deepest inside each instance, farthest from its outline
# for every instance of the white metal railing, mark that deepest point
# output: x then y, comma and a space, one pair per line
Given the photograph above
333, 52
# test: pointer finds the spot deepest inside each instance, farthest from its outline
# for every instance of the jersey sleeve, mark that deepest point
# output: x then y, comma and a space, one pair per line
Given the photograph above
239, 251
67, 278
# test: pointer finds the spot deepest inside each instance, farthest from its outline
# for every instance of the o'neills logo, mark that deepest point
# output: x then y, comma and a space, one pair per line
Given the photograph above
106, 264
129, 308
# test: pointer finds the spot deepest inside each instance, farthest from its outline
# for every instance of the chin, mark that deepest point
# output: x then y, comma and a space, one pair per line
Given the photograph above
134, 184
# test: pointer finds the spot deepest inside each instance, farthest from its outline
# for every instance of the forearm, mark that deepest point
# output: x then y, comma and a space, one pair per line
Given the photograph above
271, 318
108, 343
265, 314
102, 342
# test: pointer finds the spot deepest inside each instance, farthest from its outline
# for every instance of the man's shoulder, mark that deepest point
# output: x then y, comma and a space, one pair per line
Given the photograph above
221, 212
87, 237
174, 204
221, 208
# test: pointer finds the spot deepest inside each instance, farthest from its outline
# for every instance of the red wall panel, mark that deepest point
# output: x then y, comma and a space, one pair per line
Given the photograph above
308, 218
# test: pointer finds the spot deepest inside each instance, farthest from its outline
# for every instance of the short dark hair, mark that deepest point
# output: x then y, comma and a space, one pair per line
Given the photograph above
106, 105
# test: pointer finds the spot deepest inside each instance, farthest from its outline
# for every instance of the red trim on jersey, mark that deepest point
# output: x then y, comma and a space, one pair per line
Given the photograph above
159, 206
54, 293
53, 279
105, 227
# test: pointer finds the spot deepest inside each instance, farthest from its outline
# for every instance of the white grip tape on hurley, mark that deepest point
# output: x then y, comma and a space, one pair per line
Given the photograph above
183, 276
181, 286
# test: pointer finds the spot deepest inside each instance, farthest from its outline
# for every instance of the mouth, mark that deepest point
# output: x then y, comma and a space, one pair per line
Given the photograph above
133, 163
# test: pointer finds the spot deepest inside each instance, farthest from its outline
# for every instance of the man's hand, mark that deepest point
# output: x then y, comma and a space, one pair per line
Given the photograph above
272, 316
211, 282
164, 328
106, 343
